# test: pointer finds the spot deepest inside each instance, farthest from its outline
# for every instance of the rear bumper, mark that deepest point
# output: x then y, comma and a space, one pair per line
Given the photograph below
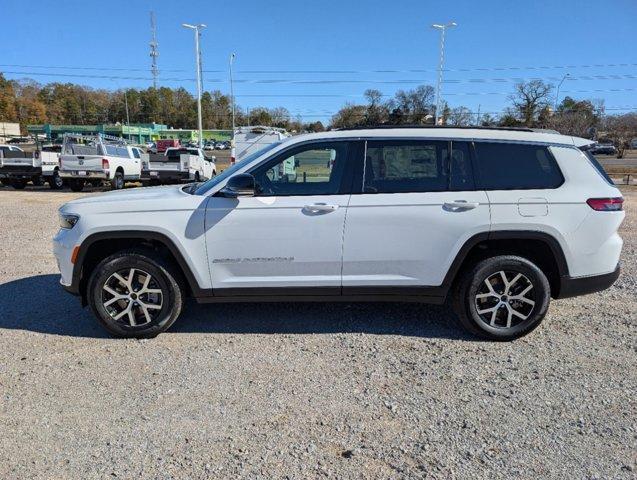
19, 171
573, 287
164, 175
85, 175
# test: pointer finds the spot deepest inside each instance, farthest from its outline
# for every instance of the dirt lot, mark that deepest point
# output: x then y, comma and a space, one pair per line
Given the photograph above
298, 391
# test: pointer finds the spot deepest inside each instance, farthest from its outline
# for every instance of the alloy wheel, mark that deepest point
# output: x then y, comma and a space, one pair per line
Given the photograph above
505, 299
132, 297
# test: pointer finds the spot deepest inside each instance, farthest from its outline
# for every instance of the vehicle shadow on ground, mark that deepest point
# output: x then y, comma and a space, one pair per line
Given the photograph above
38, 304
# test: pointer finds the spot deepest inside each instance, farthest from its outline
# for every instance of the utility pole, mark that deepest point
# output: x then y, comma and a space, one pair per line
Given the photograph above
154, 53
197, 29
232, 149
127, 119
443, 29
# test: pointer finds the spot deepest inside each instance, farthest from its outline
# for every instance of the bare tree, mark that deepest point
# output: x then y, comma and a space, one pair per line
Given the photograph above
460, 117
621, 129
530, 99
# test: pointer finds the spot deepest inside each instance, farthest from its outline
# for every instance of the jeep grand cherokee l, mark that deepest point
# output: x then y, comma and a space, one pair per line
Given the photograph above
494, 221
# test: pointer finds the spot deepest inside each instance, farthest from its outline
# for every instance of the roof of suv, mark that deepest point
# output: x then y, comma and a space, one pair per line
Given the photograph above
510, 134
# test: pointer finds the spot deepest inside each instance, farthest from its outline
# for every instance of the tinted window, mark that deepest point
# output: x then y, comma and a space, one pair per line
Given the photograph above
460, 168
510, 166
315, 169
417, 166
136, 153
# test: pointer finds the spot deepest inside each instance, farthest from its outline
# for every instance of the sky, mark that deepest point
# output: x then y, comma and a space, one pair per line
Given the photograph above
314, 56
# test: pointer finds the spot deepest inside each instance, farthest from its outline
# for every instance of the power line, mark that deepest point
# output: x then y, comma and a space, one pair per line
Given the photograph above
343, 71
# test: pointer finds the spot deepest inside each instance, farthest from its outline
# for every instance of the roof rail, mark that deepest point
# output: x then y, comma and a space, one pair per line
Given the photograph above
381, 127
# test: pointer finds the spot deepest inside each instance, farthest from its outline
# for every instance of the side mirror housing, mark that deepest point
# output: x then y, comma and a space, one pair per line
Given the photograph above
240, 185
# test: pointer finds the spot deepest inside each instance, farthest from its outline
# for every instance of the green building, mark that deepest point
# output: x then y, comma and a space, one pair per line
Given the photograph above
137, 133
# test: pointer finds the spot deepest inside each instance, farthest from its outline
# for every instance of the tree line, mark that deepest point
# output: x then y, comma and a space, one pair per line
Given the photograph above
529, 105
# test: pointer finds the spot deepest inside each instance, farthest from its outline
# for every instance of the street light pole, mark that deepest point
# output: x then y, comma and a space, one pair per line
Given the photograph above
557, 93
197, 29
443, 29
232, 151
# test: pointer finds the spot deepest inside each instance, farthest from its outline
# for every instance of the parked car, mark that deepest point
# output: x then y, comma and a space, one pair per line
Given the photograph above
604, 149
97, 159
496, 221
633, 144
220, 146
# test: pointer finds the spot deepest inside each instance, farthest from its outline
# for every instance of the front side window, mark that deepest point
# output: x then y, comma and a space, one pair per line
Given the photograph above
511, 166
136, 153
315, 169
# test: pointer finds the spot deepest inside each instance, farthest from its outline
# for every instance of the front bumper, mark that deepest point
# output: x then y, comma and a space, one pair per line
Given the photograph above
573, 287
63, 244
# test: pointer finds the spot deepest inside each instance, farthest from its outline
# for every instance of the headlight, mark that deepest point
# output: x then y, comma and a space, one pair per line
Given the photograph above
68, 220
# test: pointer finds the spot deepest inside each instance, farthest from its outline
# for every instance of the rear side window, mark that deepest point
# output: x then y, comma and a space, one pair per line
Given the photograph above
417, 166
510, 166
598, 166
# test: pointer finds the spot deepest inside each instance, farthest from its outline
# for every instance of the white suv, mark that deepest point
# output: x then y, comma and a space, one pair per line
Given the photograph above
497, 221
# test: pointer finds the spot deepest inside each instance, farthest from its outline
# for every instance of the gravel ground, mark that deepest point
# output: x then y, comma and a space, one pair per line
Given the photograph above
309, 390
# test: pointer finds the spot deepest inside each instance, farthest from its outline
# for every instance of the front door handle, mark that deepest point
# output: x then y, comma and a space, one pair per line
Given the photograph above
460, 205
320, 207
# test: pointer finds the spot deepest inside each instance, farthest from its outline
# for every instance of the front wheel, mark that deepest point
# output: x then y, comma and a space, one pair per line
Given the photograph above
502, 298
135, 294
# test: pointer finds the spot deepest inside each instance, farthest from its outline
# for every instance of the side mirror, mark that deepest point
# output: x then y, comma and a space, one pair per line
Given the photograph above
241, 185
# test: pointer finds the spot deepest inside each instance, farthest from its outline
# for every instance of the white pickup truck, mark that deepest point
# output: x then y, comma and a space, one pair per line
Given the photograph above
17, 168
97, 159
176, 165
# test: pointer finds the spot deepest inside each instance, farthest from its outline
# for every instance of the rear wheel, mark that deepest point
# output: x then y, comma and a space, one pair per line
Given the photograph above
135, 294
502, 298
118, 181
76, 185
37, 181
19, 184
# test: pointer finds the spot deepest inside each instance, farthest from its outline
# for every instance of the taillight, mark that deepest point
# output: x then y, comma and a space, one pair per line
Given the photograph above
105, 165
606, 204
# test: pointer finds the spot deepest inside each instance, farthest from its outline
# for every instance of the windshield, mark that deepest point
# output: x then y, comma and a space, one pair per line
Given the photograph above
228, 172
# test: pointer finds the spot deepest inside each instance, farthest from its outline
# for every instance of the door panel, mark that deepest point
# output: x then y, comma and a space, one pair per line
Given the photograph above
408, 239
275, 242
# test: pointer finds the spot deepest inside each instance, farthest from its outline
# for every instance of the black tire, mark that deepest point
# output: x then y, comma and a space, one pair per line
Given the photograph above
76, 185
197, 178
37, 181
19, 184
118, 181
472, 292
56, 182
164, 278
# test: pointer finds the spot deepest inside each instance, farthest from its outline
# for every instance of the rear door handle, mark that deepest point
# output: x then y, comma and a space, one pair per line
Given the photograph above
320, 207
460, 205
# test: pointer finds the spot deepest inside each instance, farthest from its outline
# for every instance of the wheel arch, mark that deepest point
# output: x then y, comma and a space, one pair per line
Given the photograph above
539, 247
100, 245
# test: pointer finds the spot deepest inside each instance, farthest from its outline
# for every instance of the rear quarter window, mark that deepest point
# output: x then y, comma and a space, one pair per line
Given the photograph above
510, 166
597, 165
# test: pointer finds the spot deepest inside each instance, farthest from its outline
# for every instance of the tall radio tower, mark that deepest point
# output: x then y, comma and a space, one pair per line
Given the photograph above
153, 50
